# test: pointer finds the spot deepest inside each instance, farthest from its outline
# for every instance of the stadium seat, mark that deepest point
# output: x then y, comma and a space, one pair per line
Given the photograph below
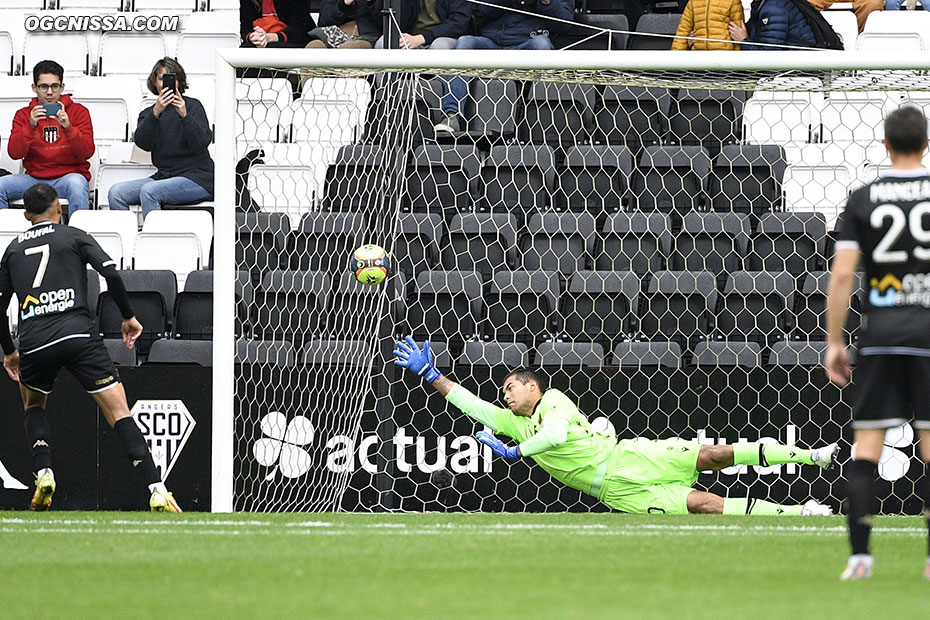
259, 102
639, 354
120, 353
896, 30
651, 24
671, 178
511, 354
561, 242
818, 178
186, 352
517, 178
442, 179
354, 353
810, 308
350, 179
491, 109
482, 242
792, 242
755, 306
330, 111
593, 32
782, 117
289, 304
152, 294
721, 353
203, 89
708, 118
562, 354
110, 174
599, 306
714, 242
747, 178
557, 114
12, 222
196, 51
797, 353
193, 308
115, 231
7, 60
175, 240
638, 242
130, 53
356, 309
274, 352
632, 116
262, 238
855, 116
109, 101
844, 23
388, 117
284, 189
677, 306
72, 51
210, 16
325, 241
445, 303
595, 179
522, 305
416, 247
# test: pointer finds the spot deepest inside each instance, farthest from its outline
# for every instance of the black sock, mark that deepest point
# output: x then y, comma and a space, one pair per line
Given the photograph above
138, 452
861, 490
39, 436
923, 490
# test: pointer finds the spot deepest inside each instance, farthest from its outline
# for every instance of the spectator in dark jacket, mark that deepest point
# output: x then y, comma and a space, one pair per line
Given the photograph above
348, 24
438, 25
177, 133
274, 23
773, 22
501, 28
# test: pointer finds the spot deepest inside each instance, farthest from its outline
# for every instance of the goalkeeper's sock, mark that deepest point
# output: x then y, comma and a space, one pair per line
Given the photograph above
861, 488
752, 506
756, 453
138, 451
39, 435
923, 491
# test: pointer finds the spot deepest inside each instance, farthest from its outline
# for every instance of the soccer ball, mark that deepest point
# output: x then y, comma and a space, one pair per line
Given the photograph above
370, 264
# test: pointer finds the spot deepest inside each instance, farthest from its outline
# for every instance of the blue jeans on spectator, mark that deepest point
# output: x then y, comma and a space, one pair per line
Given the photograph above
457, 92
73, 187
152, 194
895, 5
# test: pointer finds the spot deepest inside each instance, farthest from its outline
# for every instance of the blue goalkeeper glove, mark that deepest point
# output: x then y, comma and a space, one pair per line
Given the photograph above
410, 356
497, 446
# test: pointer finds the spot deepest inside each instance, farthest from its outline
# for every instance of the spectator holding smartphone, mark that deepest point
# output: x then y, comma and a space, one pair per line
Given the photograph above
177, 133
54, 137
274, 23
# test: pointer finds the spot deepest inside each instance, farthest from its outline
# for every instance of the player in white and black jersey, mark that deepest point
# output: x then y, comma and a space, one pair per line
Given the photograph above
45, 267
887, 224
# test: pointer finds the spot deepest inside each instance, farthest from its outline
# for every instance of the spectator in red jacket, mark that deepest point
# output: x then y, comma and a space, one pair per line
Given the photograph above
54, 137
275, 23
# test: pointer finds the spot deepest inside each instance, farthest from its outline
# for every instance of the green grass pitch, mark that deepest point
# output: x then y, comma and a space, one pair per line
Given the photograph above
527, 566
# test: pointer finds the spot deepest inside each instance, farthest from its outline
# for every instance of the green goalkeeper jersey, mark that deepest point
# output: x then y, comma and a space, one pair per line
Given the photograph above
577, 457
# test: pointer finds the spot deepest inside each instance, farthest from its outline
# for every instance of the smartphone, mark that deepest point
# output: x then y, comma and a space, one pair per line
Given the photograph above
51, 109
169, 81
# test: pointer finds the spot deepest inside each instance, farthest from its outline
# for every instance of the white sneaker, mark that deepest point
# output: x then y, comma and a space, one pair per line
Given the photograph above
451, 123
813, 508
858, 567
825, 457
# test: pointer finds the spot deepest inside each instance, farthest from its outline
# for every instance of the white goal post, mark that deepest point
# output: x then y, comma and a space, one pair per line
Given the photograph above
885, 71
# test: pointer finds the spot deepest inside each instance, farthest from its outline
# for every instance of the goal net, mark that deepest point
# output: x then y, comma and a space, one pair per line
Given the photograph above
655, 241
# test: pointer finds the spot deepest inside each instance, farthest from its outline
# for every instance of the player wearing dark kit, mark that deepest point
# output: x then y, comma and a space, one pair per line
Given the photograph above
45, 267
887, 223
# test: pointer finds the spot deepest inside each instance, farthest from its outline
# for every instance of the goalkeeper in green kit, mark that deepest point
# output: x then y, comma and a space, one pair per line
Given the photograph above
629, 475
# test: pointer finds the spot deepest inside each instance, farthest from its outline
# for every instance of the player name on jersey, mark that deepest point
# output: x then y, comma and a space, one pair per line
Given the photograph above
897, 191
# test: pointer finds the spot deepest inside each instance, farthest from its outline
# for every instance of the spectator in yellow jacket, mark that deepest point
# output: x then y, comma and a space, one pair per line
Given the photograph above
708, 19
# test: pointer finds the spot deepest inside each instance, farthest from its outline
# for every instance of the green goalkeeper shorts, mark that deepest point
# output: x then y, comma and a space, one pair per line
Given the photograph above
651, 476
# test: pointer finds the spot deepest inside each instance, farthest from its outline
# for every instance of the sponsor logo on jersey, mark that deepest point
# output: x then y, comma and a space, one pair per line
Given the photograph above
104, 381
166, 426
48, 302
911, 290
